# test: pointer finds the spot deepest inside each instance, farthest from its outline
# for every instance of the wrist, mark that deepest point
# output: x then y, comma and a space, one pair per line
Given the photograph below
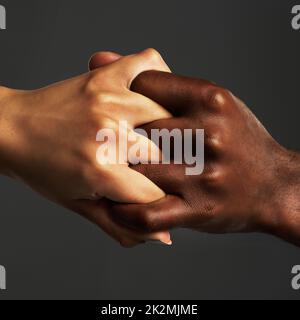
283, 214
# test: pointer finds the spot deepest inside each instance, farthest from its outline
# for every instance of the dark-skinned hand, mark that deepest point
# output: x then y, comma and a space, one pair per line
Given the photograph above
250, 183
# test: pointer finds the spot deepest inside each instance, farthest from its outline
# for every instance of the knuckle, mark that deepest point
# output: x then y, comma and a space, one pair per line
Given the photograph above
83, 152
88, 133
152, 54
147, 222
214, 143
107, 123
92, 82
213, 179
91, 169
104, 98
86, 170
218, 98
99, 102
91, 124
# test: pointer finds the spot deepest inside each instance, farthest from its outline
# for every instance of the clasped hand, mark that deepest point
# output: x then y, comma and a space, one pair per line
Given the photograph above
48, 140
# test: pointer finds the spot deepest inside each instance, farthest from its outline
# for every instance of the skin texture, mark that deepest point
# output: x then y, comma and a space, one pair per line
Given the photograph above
250, 183
48, 141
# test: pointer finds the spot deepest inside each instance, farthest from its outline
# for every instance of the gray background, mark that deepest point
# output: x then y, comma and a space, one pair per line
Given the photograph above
247, 46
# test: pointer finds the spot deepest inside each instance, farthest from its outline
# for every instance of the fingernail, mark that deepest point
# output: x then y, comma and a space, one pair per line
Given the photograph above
169, 243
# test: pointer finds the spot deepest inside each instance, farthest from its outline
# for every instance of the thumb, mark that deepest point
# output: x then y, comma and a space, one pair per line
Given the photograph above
103, 58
